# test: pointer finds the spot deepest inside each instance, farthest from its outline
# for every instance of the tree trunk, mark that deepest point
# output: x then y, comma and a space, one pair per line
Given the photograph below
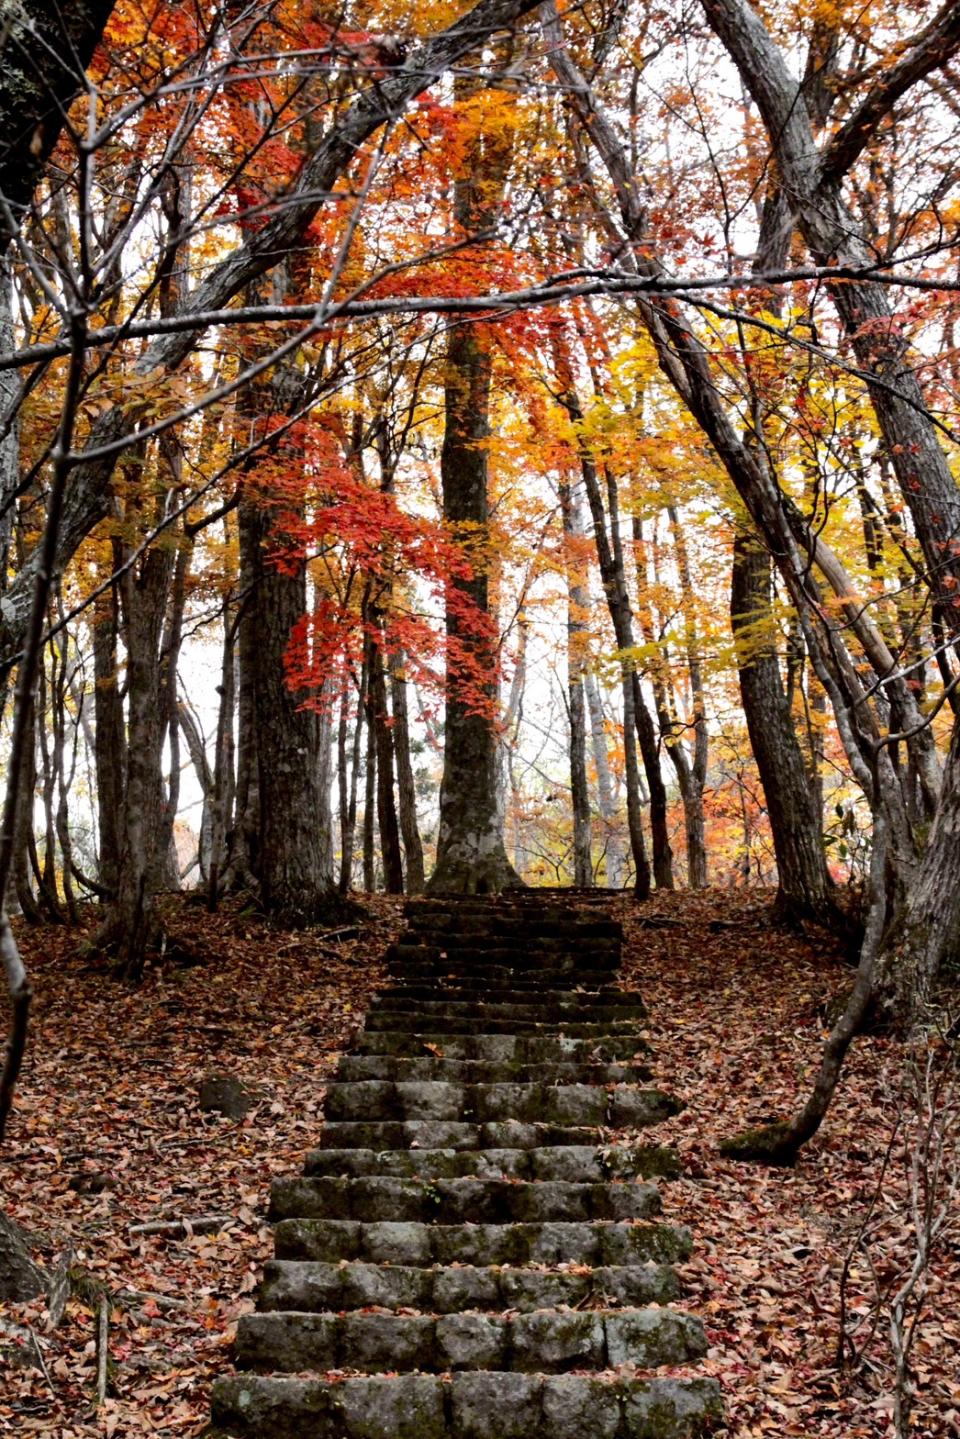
649, 747
348, 800
577, 608
605, 792
46, 48
471, 856
804, 885
222, 796
378, 719
296, 887
406, 784
20, 1279
926, 933
369, 810
132, 928
244, 836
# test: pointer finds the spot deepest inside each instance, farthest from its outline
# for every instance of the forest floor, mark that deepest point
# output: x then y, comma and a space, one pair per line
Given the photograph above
108, 1134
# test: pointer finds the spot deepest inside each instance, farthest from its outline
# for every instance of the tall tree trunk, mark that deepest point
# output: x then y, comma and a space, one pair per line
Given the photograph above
577, 608
812, 181
605, 791
296, 887
649, 747
471, 857
378, 719
110, 755
224, 780
697, 875
348, 797
406, 784
369, 810
243, 838
804, 886
132, 927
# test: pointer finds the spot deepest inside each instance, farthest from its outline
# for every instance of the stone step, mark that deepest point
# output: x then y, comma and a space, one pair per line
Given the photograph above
467, 1405
355, 1068
572, 1163
335, 1288
546, 1006
450, 1134
460, 1201
571, 980
511, 992
566, 1104
516, 932
548, 924
599, 1243
545, 1341
520, 958
498, 976
484, 1020
504, 1048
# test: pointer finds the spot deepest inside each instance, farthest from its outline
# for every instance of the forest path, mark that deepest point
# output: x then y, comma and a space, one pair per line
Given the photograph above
475, 1249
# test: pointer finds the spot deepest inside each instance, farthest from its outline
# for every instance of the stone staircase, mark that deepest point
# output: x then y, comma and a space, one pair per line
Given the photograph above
467, 1254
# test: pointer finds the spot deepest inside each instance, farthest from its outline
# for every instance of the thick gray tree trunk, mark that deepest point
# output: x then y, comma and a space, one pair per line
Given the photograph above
804, 885
471, 855
296, 885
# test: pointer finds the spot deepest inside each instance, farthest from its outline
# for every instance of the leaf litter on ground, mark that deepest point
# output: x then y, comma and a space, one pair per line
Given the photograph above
108, 1137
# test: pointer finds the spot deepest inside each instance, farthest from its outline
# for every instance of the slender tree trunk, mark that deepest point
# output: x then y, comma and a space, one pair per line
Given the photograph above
110, 754
378, 720
222, 795
605, 791
348, 802
406, 784
649, 747
689, 776
369, 810
577, 606
697, 872
23, 833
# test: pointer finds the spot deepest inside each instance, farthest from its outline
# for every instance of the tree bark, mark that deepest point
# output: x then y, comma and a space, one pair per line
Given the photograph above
296, 887
605, 792
471, 856
45, 49
378, 719
406, 783
804, 886
577, 608
926, 932
110, 745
